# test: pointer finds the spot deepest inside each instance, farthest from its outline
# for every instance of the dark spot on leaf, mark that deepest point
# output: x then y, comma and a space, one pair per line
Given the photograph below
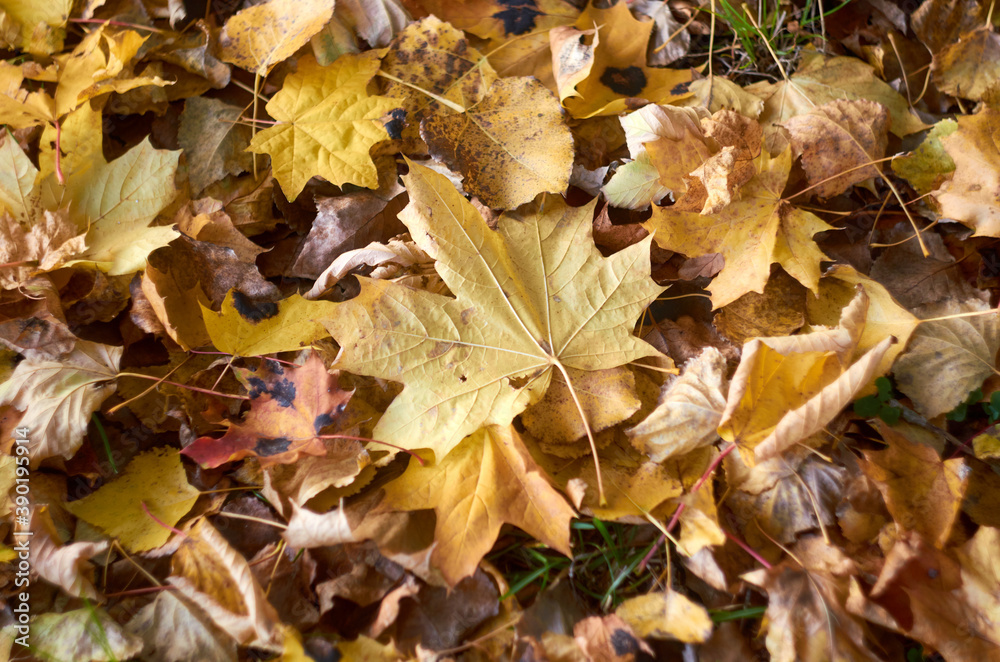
628, 82
463, 379
257, 387
933, 573
322, 421
284, 392
266, 447
274, 366
624, 643
680, 88
519, 15
397, 118
251, 311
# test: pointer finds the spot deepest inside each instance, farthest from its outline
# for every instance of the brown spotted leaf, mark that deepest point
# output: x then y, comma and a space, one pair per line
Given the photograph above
510, 147
289, 407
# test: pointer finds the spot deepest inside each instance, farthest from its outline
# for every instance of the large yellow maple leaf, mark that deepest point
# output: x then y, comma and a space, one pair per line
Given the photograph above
751, 233
327, 122
533, 297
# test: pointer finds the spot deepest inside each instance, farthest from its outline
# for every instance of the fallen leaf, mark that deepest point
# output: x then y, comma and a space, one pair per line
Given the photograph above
967, 196
840, 137
667, 615
487, 480
326, 123
922, 492
807, 614
41, 26
88, 633
153, 484
607, 398
67, 566
58, 397
214, 141
948, 358
375, 21
751, 233
174, 629
118, 202
689, 410
820, 80
619, 72
927, 166
289, 407
260, 36
510, 146
251, 328
210, 573
534, 315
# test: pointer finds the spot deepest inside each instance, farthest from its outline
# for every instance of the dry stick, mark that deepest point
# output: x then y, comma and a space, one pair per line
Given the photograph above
711, 40
253, 125
141, 591
114, 544
680, 507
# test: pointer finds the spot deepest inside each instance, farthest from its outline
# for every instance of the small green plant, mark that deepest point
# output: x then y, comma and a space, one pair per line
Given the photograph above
991, 409
878, 405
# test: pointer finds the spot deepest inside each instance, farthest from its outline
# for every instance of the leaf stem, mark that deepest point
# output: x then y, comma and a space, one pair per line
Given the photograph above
190, 388
376, 441
586, 426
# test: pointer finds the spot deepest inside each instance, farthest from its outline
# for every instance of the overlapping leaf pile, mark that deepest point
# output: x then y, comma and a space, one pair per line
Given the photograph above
337, 330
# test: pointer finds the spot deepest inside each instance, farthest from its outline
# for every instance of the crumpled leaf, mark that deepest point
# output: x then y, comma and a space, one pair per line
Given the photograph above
326, 123
922, 492
948, 358
376, 21
483, 356
156, 479
819, 80
59, 396
65, 565
260, 36
289, 407
487, 480
689, 410
248, 328
751, 233
209, 572
804, 603
51, 241
510, 146
839, 137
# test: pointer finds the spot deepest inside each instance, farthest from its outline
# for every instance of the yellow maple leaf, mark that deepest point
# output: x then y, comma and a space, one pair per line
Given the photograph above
489, 479
618, 71
250, 328
534, 297
751, 233
327, 122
